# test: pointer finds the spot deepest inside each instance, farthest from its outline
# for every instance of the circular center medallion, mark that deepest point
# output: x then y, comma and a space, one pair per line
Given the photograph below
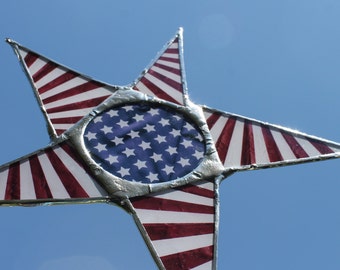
144, 143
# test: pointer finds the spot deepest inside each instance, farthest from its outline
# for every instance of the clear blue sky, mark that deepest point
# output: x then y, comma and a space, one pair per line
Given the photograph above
276, 61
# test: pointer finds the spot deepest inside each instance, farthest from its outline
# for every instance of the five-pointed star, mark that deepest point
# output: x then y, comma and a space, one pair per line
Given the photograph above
140, 164
134, 134
184, 162
178, 217
106, 129
124, 171
149, 128
187, 143
139, 117
145, 145
153, 177
100, 147
112, 159
171, 150
123, 123
129, 152
156, 157
118, 140
160, 138
90, 136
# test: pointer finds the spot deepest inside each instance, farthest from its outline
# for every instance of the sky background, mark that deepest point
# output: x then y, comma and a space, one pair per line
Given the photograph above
272, 60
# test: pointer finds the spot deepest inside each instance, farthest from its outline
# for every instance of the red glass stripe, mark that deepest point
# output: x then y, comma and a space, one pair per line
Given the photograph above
72, 153
272, 149
171, 50
13, 182
42, 190
188, 259
297, 149
170, 69
66, 120
193, 189
157, 204
71, 184
177, 86
173, 230
320, 146
90, 103
211, 121
248, 147
223, 141
168, 59
73, 91
157, 91
69, 75
30, 58
60, 131
46, 69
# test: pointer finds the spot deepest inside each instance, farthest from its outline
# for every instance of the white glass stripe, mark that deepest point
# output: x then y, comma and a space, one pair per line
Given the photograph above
66, 114
157, 216
175, 94
64, 87
205, 185
233, 157
181, 244
98, 92
169, 64
308, 147
335, 149
171, 55
205, 266
22, 53
80, 174
141, 87
62, 126
55, 73
207, 114
173, 45
36, 66
56, 186
285, 150
3, 183
27, 190
167, 74
182, 196
217, 128
261, 154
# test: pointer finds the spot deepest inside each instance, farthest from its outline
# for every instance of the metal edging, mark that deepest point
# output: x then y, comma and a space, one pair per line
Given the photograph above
128, 205
50, 129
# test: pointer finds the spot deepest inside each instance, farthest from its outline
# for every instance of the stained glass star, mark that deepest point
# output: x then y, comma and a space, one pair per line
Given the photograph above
93, 125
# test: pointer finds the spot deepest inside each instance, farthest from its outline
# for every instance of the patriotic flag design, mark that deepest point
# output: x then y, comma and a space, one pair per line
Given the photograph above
148, 143
145, 143
165, 77
241, 142
180, 225
65, 95
52, 174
